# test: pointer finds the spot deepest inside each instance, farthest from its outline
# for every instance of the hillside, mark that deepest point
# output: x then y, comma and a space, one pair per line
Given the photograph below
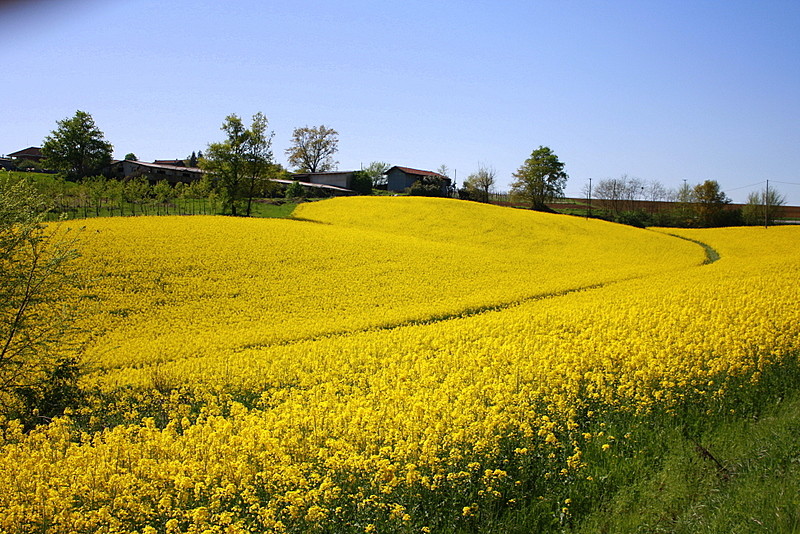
397, 365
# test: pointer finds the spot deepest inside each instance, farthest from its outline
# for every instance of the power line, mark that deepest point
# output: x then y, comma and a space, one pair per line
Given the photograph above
746, 186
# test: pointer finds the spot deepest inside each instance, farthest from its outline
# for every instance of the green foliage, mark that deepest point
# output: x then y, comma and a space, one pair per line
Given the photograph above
27, 165
763, 207
38, 376
295, 190
541, 179
101, 197
429, 186
633, 218
709, 204
312, 149
375, 171
479, 184
362, 183
241, 163
77, 147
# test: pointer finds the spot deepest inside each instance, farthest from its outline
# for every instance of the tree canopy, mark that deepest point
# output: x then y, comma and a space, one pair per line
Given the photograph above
77, 147
540, 179
376, 171
241, 163
710, 203
312, 149
480, 183
763, 207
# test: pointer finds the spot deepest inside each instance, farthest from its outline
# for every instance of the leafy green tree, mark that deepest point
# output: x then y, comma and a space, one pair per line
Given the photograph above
136, 191
295, 190
375, 171
540, 180
312, 149
115, 193
240, 163
27, 165
430, 186
480, 183
709, 204
361, 183
77, 147
96, 191
38, 374
130, 156
164, 194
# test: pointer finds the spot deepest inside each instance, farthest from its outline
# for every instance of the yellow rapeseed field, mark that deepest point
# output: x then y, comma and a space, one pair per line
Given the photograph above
384, 364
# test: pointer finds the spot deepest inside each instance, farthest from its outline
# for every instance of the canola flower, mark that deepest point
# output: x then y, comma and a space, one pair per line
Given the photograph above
418, 417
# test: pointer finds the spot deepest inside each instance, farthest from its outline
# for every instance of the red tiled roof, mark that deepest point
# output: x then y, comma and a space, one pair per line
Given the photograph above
418, 172
32, 151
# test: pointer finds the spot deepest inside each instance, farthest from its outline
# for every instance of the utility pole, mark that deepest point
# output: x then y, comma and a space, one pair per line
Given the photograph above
589, 201
766, 205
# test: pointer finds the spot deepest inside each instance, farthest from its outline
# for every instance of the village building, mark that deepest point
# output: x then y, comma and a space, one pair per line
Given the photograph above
155, 172
312, 187
32, 153
399, 179
341, 179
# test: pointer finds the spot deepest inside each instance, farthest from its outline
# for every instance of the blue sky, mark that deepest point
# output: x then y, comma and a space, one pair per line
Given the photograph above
665, 91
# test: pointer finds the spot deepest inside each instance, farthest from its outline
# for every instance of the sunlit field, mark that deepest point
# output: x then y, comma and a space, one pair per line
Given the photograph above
392, 365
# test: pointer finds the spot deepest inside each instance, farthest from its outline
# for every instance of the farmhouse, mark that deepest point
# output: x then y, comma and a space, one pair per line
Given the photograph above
342, 179
324, 189
401, 178
155, 172
32, 153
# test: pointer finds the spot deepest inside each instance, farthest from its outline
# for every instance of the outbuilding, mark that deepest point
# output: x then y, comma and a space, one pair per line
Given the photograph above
399, 179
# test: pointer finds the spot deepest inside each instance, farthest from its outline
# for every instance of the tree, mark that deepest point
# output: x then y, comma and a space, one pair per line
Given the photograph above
361, 183
763, 207
295, 190
96, 188
376, 171
130, 156
164, 194
38, 375
435, 185
540, 179
448, 185
26, 165
654, 191
480, 183
136, 191
77, 147
312, 149
620, 194
710, 203
242, 162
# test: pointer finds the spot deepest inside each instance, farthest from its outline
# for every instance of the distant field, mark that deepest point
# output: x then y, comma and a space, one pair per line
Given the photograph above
396, 364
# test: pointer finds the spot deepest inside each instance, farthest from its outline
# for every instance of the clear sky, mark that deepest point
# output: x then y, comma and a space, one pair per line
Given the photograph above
659, 90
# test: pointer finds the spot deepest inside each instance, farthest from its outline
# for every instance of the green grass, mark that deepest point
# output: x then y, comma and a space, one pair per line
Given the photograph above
275, 211
260, 208
742, 476
730, 465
